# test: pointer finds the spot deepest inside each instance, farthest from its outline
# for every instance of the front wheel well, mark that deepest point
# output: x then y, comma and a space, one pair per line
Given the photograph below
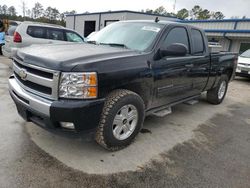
229, 73
145, 94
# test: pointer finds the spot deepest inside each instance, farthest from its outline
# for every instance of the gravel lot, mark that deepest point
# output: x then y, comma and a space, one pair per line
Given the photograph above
196, 146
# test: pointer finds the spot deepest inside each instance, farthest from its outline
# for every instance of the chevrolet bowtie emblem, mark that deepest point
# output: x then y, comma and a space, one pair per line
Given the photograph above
23, 74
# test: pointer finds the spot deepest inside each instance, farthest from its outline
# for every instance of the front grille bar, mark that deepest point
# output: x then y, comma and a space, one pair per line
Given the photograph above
45, 79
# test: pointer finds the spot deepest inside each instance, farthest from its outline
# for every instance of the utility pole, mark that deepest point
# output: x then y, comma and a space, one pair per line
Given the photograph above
174, 6
23, 6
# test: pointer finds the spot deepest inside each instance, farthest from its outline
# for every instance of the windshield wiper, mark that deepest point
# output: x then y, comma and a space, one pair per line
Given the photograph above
115, 44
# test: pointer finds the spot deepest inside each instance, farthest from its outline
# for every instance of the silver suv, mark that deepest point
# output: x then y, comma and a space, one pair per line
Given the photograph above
28, 33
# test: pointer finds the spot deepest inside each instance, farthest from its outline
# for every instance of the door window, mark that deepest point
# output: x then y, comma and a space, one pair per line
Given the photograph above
177, 35
55, 34
198, 42
36, 32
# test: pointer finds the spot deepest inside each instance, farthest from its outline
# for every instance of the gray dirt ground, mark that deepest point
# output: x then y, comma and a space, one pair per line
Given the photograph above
196, 146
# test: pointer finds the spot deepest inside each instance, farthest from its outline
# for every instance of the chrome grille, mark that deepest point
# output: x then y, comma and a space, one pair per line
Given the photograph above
37, 80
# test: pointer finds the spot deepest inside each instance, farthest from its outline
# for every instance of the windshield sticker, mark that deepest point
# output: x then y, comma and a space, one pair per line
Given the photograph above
151, 28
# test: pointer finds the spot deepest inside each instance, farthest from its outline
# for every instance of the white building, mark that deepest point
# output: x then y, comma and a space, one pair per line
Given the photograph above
232, 34
86, 23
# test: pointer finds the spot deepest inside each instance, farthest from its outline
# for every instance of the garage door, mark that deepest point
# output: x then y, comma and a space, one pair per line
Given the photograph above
107, 22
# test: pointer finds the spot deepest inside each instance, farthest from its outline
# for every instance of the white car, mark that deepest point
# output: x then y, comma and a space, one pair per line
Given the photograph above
28, 33
243, 67
91, 35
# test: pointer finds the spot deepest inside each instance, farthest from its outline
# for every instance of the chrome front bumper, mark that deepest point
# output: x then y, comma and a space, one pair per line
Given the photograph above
28, 99
84, 114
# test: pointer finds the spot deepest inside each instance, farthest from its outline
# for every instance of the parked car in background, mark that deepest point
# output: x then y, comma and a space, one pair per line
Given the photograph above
243, 67
28, 33
8, 41
91, 35
13, 23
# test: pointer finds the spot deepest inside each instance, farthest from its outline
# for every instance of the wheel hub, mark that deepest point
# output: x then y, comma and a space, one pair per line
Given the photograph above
125, 122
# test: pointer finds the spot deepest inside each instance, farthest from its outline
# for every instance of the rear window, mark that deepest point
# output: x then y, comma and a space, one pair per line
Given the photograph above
36, 32
55, 34
11, 31
198, 42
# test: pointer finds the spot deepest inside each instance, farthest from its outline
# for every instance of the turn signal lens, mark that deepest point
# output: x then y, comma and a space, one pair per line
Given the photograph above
92, 92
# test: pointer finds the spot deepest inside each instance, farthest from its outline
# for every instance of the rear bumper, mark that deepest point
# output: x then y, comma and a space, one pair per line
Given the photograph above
84, 114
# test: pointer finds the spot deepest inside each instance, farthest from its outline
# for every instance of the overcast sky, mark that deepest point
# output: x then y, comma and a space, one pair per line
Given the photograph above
228, 7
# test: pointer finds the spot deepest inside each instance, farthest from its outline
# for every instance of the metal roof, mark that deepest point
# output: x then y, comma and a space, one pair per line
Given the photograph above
225, 27
226, 31
224, 20
121, 11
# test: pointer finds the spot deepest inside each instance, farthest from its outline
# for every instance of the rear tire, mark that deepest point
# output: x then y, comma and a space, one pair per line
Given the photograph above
217, 94
121, 120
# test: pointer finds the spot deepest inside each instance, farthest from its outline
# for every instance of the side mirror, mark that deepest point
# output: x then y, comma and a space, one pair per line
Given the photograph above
175, 49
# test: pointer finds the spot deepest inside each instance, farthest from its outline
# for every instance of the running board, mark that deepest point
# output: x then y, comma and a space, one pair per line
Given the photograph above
166, 109
192, 102
162, 112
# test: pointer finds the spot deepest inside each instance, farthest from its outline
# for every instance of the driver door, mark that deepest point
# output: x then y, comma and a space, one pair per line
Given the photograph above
172, 81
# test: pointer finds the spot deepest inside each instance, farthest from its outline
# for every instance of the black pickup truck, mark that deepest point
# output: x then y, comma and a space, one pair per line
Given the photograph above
126, 71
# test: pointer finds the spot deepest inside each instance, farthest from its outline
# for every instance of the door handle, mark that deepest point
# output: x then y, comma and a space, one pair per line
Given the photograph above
189, 65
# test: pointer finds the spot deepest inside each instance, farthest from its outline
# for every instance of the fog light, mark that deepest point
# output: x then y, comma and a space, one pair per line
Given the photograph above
67, 125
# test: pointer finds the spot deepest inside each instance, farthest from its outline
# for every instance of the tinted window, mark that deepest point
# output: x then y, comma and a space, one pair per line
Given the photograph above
36, 32
11, 31
177, 35
198, 42
55, 34
73, 37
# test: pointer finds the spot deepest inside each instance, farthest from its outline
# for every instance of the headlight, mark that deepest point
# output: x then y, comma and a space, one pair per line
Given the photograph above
78, 85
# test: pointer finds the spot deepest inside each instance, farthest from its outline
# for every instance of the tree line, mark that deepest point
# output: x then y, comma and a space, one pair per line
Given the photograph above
53, 15
37, 13
196, 13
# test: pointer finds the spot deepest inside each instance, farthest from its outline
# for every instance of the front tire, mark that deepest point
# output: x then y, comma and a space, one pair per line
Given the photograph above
217, 94
121, 119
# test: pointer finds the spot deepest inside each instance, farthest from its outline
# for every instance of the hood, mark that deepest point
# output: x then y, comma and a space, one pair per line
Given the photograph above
65, 57
244, 60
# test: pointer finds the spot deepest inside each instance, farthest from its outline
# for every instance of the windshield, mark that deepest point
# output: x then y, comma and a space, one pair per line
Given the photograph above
246, 54
132, 35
